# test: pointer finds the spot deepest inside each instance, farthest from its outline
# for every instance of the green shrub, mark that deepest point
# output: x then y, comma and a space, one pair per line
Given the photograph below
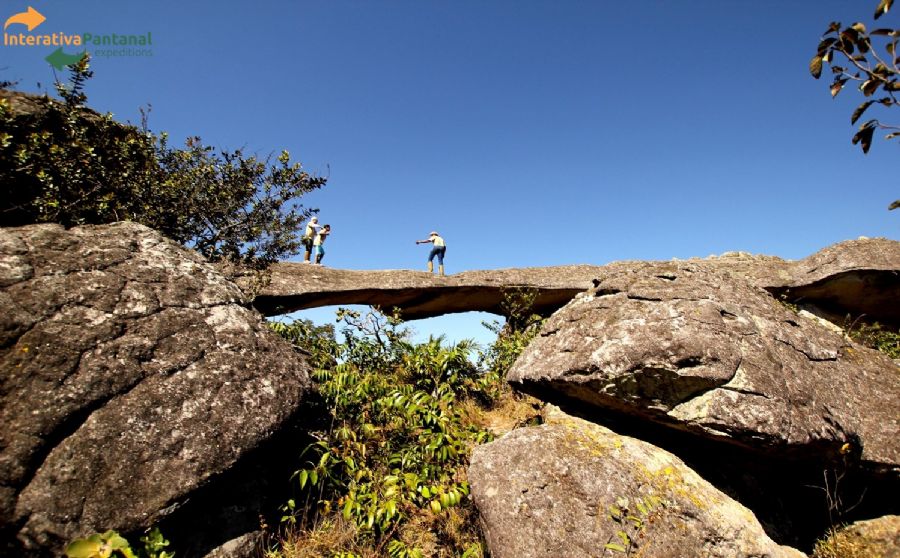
398, 446
875, 336
111, 544
63, 163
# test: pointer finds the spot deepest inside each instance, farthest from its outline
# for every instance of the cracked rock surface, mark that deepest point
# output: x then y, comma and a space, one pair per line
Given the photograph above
132, 373
693, 346
555, 490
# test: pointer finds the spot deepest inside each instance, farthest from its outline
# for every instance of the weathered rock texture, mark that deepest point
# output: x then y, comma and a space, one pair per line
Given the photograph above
848, 281
294, 286
551, 490
831, 282
132, 374
696, 347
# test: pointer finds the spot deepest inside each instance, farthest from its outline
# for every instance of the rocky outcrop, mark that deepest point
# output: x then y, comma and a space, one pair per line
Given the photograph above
133, 374
573, 488
849, 281
138, 386
691, 346
829, 283
295, 286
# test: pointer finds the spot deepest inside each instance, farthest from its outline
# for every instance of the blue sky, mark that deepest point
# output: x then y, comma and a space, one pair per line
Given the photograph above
526, 132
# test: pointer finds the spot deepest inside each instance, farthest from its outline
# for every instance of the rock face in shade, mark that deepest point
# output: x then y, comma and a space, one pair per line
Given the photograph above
570, 488
695, 347
132, 374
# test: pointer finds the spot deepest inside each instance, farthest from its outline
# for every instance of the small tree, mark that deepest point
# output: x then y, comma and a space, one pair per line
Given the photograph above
63, 163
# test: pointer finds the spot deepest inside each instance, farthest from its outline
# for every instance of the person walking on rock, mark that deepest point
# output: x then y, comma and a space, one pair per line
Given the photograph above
319, 241
309, 236
438, 248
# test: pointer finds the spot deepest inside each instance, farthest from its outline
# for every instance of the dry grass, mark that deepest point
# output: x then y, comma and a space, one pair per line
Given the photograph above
849, 543
512, 410
447, 535
331, 536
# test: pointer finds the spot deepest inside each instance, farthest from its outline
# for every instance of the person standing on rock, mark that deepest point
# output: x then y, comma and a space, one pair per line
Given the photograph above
318, 241
309, 237
438, 248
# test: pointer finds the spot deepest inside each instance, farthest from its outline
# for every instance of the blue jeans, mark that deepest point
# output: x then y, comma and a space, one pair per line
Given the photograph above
439, 252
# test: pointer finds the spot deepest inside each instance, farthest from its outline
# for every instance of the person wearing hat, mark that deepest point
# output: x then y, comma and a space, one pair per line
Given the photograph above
438, 248
309, 236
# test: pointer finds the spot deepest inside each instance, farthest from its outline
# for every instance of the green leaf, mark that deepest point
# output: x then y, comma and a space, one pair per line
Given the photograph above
435, 506
83, 549
614, 546
348, 509
815, 66
304, 476
117, 542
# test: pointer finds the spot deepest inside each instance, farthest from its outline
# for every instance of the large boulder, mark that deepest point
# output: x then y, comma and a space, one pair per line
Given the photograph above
695, 347
573, 488
133, 374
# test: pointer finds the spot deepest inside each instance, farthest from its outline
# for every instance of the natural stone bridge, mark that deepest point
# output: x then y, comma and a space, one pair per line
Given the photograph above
831, 281
418, 294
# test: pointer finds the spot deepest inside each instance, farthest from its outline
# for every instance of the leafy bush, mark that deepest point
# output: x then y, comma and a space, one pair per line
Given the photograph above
317, 342
875, 336
63, 163
111, 544
392, 466
522, 325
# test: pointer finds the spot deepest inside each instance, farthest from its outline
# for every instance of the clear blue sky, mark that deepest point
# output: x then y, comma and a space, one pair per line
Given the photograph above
526, 132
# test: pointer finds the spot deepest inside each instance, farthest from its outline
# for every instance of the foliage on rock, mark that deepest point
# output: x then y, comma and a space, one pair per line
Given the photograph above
875, 336
63, 163
111, 544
